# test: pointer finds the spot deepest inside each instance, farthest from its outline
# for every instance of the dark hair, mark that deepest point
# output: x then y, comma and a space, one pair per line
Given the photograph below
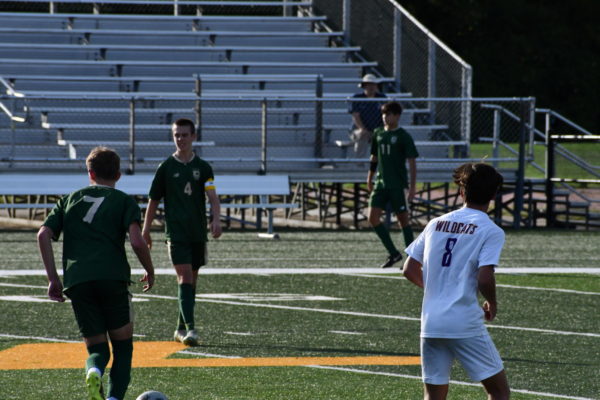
391, 107
186, 122
479, 181
104, 162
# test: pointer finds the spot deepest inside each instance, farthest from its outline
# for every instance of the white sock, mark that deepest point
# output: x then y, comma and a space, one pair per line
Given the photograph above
94, 369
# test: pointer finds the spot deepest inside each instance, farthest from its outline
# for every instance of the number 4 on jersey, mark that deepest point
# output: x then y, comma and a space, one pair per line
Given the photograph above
188, 189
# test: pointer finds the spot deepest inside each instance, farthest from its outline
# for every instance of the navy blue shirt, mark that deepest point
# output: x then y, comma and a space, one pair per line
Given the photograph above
370, 111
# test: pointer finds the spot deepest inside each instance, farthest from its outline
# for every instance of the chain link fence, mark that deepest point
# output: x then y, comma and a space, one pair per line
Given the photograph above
419, 62
311, 135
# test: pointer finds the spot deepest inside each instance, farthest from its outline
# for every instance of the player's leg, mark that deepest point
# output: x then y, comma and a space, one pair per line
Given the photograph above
401, 208
480, 358
88, 314
497, 386
377, 202
186, 293
435, 392
436, 362
119, 319
199, 259
180, 254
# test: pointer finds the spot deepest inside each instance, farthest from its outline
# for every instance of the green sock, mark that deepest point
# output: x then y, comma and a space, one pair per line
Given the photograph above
384, 236
180, 322
120, 370
408, 235
186, 304
99, 354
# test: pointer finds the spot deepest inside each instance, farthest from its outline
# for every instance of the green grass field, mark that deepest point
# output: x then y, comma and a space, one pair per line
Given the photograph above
564, 169
547, 330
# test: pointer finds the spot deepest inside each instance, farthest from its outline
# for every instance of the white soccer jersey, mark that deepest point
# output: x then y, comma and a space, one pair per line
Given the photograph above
451, 249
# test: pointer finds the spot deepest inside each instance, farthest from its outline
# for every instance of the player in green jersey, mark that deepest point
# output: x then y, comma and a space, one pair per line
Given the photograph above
94, 222
391, 148
183, 180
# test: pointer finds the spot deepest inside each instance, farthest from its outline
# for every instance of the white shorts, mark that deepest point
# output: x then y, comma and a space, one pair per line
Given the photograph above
477, 355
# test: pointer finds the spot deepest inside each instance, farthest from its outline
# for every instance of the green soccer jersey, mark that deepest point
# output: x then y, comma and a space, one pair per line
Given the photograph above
94, 221
392, 149
182, 185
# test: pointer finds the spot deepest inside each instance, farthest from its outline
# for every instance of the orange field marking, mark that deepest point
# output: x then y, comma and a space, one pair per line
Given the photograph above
156, 354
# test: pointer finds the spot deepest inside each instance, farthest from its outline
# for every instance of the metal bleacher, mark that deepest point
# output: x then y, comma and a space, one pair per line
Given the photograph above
71, 77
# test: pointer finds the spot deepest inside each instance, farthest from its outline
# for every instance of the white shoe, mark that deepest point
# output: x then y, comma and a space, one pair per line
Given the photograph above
179, 335
191, 339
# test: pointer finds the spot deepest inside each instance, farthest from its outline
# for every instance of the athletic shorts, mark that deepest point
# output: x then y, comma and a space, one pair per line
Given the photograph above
395, 197
477, 355
101, 306
194, 253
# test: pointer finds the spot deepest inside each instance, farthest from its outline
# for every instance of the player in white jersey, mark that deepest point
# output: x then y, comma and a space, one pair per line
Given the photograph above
452, 260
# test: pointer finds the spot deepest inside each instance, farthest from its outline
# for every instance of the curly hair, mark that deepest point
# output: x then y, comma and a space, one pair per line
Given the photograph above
479, 181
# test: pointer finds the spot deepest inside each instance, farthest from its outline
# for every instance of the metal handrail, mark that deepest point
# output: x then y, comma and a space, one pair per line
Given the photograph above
564, 119
570, 156
285, 4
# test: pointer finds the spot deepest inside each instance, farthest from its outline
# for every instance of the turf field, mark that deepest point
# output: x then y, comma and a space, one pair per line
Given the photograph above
305, 319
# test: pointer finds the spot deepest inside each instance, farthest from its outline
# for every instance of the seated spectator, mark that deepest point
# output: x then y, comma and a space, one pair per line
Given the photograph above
366, 115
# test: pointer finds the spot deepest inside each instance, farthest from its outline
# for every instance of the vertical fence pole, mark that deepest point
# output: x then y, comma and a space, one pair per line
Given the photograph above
465, 107
519, 186
431, 77
531, 128
51, 7
319, 118
550, 222
263, 148
198, 107
397, 48
346, 21
175, 8
131, 169
496, 137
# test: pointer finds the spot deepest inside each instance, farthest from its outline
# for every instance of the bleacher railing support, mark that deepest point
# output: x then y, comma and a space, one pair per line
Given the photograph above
319, 117
263, 145
131, 169
198, 107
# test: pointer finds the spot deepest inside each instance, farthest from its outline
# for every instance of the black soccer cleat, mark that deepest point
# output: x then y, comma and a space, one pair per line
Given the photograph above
391, 260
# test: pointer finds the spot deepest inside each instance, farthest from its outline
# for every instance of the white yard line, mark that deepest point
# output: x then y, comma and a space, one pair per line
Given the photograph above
369, 315
391, 374
543, 289
44, 339
312, 271
360, 371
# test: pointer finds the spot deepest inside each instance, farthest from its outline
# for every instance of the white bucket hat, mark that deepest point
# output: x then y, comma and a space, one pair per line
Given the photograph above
368, 78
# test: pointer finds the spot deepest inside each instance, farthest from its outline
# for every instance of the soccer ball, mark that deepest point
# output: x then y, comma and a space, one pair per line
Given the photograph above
152, 395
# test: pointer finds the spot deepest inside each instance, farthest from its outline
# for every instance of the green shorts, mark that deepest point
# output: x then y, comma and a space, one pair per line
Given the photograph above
101, 306
194, 253
380, 198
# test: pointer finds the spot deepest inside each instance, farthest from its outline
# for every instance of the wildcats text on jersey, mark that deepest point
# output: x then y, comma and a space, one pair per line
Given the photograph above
455, 227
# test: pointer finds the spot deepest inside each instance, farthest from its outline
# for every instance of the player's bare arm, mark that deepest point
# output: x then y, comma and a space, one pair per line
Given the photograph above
148, 219
215, 206
55, 286
141, 250
486, 283
413, 271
